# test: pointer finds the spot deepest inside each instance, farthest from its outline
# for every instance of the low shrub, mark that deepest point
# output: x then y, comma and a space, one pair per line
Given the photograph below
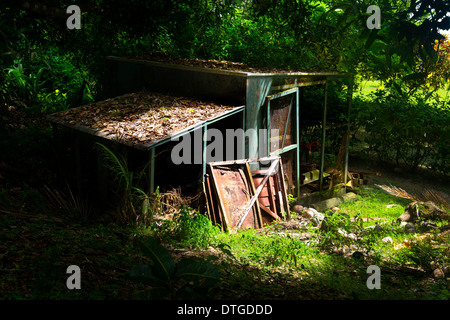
408, 130
189, 228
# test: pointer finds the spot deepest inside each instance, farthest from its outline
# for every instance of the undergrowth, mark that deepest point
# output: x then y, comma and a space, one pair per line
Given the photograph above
187, 228
332, 261
274, 262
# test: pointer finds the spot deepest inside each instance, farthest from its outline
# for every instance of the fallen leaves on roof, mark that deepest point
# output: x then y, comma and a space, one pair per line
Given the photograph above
142, 117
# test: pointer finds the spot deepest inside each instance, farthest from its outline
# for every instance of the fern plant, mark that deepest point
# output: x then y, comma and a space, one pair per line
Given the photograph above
131, 197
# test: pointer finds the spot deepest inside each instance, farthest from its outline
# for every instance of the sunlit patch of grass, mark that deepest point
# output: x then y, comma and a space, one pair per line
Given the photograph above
374, 204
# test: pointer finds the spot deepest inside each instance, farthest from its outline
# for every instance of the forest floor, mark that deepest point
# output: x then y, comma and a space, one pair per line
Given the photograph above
38, 242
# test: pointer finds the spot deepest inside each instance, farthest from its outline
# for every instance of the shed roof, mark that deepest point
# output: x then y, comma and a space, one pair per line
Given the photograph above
143, 119
226, 67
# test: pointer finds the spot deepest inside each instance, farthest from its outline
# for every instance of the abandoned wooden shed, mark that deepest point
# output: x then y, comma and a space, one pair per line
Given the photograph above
266, 104
271, 98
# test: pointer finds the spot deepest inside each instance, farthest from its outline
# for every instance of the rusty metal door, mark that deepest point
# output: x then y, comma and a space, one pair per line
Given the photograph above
234, 188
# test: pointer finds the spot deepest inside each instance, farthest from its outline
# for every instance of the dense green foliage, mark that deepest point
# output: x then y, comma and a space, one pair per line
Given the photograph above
326, 35
190, 228
409, 130
46, 67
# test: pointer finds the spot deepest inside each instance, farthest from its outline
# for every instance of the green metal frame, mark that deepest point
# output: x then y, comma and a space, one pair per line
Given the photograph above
203, 126
249, 88
324, 126
347, 142
296, 145
242, 87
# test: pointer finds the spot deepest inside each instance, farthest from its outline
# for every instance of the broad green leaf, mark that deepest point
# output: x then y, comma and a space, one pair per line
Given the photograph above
163, 264
196, 270
144, 273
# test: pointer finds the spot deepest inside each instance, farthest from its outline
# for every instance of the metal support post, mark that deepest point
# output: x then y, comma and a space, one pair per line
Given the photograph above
204, 145
324, 125
268, 129
152, 170
347, 139
297, 140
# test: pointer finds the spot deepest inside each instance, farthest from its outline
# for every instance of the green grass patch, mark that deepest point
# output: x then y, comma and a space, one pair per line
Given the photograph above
366, 87
373, 204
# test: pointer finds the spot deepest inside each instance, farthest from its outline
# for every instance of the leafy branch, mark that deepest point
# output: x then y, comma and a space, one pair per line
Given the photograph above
188, 278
